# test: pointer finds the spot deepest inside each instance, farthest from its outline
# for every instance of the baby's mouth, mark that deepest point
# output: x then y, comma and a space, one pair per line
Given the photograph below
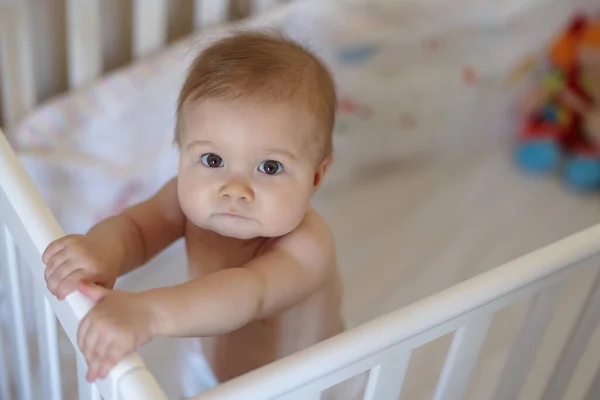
232, 214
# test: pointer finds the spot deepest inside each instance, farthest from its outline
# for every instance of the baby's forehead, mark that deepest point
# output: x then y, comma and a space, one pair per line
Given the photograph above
273, 120
280, 125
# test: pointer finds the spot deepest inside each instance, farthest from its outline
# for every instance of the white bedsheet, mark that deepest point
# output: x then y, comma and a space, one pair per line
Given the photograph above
422, 194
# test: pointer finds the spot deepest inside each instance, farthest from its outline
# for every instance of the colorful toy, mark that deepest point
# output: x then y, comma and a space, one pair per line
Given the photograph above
561, 130
539, 150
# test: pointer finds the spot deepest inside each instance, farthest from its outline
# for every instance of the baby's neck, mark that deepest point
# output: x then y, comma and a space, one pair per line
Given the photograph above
234, 244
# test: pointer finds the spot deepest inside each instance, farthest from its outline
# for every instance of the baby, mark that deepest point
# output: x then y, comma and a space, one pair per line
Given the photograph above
254, 129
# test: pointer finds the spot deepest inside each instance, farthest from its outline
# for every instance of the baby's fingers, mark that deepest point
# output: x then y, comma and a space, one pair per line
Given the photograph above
55, 262
56, 278
112, 355
54, 248
87, 338
70, 283
108, 351
93, 367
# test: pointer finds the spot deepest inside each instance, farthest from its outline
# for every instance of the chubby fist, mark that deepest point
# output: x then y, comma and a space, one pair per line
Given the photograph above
116, 326
76, 258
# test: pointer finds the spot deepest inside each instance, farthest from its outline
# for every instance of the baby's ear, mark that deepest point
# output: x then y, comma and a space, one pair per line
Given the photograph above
321, 171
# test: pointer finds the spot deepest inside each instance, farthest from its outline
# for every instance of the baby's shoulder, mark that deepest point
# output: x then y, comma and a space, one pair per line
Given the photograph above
312, 238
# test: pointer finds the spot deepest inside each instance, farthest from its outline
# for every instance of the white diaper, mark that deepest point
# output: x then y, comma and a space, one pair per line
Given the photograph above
195, 374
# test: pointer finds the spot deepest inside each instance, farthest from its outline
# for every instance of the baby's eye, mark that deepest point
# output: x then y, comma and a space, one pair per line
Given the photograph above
270, 167
212, 160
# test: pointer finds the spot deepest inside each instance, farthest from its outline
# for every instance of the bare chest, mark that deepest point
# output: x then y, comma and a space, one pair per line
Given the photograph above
208, 252
262, 341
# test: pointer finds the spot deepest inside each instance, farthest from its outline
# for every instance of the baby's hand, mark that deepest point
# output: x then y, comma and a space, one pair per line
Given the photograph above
74, 258
114, 328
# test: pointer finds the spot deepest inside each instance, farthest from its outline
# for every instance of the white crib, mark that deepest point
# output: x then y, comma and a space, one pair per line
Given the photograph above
383, 346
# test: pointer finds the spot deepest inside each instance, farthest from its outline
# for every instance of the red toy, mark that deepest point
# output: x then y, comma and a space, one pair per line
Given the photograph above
563, 111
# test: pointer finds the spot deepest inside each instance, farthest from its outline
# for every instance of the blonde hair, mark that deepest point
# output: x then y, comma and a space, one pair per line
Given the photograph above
267, 68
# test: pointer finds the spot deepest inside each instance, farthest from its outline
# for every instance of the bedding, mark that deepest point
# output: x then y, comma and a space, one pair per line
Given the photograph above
422, 193
404, 91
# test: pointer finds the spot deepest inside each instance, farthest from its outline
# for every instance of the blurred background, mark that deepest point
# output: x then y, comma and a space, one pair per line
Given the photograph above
425, 190
49, 18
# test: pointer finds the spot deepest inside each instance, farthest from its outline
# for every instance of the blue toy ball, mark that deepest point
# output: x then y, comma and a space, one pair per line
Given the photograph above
582, 173
538, 156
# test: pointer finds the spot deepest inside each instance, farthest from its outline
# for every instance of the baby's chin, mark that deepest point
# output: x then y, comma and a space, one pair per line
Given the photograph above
236, 233
243, 229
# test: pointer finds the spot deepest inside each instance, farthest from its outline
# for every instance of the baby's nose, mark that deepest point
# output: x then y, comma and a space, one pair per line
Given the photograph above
236, 190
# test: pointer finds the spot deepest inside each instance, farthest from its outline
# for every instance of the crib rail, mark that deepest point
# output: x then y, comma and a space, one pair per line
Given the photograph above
29, 226
384, 345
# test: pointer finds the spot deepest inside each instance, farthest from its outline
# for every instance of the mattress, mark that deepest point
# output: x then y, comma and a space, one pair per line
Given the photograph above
422, 193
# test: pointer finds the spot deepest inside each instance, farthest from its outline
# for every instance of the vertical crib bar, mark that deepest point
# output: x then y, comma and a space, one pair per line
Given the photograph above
527, 344
48, 349
386, 380
150, 19
20, 334
210, 12
4, 372
18, 83
84, 39
577, 342
461, 359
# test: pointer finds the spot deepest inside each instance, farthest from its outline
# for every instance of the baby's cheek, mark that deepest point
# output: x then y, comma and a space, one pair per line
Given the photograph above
287, 210
194, 202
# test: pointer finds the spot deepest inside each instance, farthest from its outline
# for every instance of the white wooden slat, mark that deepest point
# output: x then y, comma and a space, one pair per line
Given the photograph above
303, 396
4, 372
337, 350
86, 390
24, 212
420, 322
300, 396
18, 83
393, 356
325, 382
386, 380
576, 344
48, 349
461, 359
527, 343
84, 39
150, 22
18, 320
210, 12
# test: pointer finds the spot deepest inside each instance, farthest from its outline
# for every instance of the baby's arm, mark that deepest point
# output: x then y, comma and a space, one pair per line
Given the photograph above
149, 226
292, 270
283, 276
116, 245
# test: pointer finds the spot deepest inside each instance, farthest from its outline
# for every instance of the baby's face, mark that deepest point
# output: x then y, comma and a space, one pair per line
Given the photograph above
246, 170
